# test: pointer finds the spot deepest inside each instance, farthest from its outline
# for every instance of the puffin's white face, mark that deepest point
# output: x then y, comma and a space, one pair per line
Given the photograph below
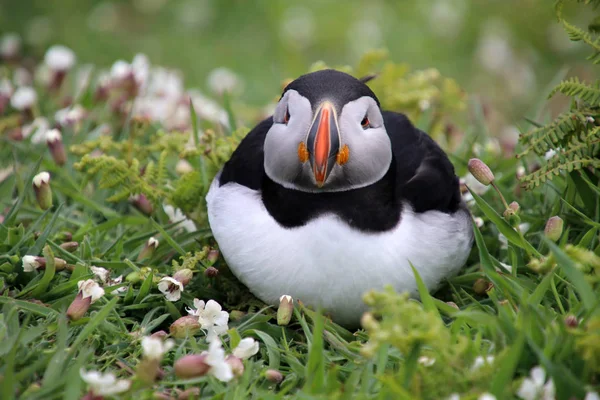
323, 151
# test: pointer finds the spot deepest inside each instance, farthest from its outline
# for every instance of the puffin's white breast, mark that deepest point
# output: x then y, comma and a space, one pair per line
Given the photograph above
326, 262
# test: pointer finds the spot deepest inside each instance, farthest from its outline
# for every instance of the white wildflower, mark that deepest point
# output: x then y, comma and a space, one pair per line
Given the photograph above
486, 396
53, 135
591, 396
481, 361
211, 317
246, 348
120, 70
101, 273
30, 263
104, 384
215, 357
59, 58
454, 396
535, 386
23, 98
154, 348
171, 288
426, 361
424, 104
221, 80
175, 215
140, 67
89, 288
70, 115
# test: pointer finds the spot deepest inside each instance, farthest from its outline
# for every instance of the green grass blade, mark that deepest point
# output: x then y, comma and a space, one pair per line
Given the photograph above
426, 298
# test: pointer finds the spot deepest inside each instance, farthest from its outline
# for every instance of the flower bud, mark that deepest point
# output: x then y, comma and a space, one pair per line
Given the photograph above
184, 276
480, 286
554, 228
56, 146
43, 192
236, 364
211, 272
183, 167
142, 203
133, 277
159, 335
513, 209
285, 310
191, 393
191, 366
212, 257
571, 321
452, 304
78, 307
185, 326
148, 250
480, 171
64, 236
69, 246
273, 375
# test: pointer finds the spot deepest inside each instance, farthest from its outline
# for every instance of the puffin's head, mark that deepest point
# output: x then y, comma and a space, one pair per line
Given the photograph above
327, 135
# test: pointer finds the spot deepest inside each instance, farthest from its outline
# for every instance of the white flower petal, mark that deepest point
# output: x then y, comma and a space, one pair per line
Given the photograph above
59, 58
246, 348
101, 273
89, 288
538, 375
426, 361
215, 357
154, 348
528, 390
591, 396
486, 396
23, 98
104, 384
171, 288
30, 264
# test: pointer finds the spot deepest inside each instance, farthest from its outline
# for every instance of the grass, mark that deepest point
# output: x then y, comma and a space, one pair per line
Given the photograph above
517, 304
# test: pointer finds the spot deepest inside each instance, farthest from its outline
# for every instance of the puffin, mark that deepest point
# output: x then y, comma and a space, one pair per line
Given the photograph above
331, 197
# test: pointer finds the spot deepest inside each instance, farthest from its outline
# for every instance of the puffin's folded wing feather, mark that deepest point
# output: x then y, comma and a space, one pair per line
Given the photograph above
246, 165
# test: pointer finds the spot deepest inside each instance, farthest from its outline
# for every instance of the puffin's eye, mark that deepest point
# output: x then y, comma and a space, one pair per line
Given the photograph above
365, 122
286, 117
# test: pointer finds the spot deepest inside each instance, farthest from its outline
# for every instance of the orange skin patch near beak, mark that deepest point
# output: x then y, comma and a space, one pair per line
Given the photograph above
303, 153
343, 156
322, 146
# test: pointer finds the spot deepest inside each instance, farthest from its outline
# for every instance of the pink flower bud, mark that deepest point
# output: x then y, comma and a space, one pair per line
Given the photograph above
69, 246
571, 321
211, 272
159, 335
213, 256
554, 228
43, 192
184, 276
56, 146
191, 366
78, 307
236, 364
480, 171
273, 375
142, 203
185, 326
481, 286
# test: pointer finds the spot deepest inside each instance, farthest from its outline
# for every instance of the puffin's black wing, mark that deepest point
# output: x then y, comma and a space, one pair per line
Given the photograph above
246, 165
424, 175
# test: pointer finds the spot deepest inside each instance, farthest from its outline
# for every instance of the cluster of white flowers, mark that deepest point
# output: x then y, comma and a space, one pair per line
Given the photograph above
212, 318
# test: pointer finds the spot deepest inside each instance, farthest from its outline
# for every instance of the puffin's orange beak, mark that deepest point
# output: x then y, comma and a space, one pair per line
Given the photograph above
323, 142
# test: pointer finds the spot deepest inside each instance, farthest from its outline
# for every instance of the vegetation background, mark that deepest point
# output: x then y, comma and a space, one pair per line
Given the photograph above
108, 256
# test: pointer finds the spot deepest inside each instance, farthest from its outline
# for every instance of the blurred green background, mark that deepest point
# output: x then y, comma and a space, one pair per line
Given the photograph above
506, 51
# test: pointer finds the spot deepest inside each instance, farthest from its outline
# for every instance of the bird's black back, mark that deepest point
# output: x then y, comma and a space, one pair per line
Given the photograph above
420, 173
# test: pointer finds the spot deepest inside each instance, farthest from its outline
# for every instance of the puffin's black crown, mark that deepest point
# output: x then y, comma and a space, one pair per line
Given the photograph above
329, 84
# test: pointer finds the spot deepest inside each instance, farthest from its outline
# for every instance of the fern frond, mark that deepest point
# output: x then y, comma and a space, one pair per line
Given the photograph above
575, 88
540, 140
576, 34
